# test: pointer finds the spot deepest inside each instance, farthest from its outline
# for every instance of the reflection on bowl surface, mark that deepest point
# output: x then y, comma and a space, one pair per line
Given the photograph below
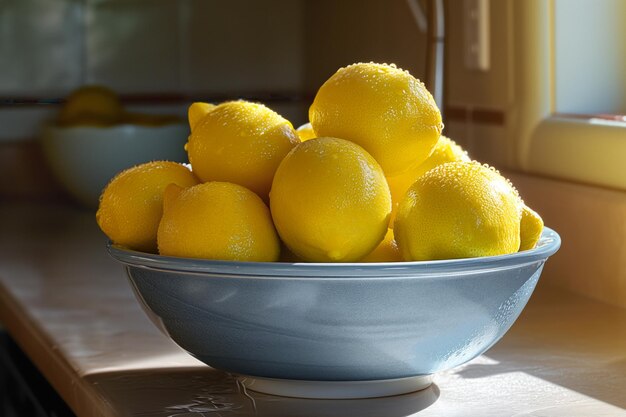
336, 322
84, 158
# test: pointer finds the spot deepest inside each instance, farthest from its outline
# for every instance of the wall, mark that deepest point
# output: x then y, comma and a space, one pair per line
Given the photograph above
49, 47
477, 101
339, 33
160, 55
592, 224
224, 47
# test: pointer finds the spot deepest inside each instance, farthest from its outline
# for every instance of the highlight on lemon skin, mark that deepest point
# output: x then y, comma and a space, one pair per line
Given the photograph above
131, 205
330, 201
240, 142
217, 220
446, 150
531, 226
306, 132
458, 210
382, 108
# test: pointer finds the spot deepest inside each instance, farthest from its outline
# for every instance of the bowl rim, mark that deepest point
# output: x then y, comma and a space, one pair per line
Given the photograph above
548, 244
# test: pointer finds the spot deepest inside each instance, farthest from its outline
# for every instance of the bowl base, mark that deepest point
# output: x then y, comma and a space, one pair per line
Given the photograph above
336, 389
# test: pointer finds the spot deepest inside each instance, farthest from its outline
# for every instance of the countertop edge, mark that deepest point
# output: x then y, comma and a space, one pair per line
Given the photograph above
37, 347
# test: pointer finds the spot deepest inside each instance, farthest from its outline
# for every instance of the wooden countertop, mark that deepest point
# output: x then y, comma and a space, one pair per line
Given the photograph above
70, 308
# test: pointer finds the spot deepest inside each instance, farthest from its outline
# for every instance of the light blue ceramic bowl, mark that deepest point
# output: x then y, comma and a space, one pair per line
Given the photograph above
336, 330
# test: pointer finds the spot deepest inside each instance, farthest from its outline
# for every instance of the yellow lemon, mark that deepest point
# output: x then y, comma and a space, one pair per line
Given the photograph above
458, 210
131, 205
531, 227
382, 108
91, 105
197, 111
330, 201
242, 143
305, 132
446, 150
217, 220
386, 251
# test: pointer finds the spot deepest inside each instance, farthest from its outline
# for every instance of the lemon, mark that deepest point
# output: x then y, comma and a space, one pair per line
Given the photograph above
458, 210
382, 108
386, 251
330, 201
91, 105
305, 132
217, 220
531, 227
240, 142
446, 150
197, 111
131, 205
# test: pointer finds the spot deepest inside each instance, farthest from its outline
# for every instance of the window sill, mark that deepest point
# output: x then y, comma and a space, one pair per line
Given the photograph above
587, 150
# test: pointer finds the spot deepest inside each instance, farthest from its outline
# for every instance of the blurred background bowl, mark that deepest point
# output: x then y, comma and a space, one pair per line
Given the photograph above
85, 158
336, 330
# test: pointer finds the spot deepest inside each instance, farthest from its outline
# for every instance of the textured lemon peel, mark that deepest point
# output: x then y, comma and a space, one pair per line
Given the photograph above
330, 201
241, 142
131, 204
381, 108
459, 210
218, 220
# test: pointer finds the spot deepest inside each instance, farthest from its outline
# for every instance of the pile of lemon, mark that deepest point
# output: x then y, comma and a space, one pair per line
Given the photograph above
369, 179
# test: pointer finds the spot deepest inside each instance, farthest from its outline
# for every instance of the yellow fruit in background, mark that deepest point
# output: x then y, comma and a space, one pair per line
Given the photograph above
91, 105
531, 227
242, 143
131, 205
330, 201
446, 150
458, 210
386, 251
305, 132
197, 111
382, 108
217, 220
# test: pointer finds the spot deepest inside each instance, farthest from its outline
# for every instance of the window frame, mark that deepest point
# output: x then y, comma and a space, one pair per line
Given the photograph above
548, 143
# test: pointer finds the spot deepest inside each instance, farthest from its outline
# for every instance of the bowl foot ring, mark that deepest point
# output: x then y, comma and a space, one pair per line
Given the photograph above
336, 389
